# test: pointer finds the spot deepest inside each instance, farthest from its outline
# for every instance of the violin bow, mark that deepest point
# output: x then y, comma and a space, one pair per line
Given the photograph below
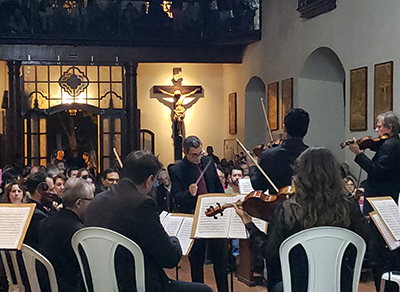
266, 118
258, 166
118, 159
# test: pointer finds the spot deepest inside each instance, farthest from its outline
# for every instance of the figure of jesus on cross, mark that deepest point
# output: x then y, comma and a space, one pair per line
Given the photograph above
178, 106
179, 109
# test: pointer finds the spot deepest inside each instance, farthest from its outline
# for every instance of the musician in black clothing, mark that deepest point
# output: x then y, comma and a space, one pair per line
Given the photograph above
383, 180
277, 161
185, 192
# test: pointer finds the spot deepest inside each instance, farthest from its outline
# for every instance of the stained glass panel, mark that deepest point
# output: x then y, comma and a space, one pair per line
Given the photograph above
118, 125
106, 125
104, 73
29, 73
42, 73
54, 73
91, 73
43, 148
117, 141
116, 73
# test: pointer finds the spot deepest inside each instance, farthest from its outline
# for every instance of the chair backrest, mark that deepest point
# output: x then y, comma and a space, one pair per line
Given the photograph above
324, 247
99, 246
10, 263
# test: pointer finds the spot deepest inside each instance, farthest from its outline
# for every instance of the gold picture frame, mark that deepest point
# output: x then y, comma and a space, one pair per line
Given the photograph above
232, 113
287, 97
358, 99
273, 106
383, 88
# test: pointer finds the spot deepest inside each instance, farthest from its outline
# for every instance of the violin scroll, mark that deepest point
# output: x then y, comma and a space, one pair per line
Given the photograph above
367, 142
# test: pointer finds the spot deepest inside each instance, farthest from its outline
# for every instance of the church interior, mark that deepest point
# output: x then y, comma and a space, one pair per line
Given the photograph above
109, 77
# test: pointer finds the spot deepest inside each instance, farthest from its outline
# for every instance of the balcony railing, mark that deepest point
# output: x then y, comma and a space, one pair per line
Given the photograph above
132, 23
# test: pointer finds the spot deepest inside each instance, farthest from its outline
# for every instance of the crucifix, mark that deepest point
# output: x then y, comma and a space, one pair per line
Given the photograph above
178, 98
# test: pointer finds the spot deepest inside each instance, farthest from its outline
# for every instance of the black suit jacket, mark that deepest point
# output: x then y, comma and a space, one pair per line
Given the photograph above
277, 164
32, 234
125, 210
383, 171
55, 234
183, 174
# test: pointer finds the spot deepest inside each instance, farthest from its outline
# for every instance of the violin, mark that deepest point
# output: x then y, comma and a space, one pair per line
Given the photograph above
257, 204
367, 142
274, 143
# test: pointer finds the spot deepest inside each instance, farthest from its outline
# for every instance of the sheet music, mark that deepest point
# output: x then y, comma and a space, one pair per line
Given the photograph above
163, 216
237, 228
12, 223
208, 227
172, 225
184, 235
389, 212
245, 186
261, 224
384, 231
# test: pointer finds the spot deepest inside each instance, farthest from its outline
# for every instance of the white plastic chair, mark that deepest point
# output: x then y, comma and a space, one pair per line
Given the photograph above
324, 247
30, 256
99, 246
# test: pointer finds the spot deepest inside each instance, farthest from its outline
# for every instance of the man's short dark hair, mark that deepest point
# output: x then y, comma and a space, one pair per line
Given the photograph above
296, 122
191, 141
34, 180
107, 171
139, 165
71, 169
236, 167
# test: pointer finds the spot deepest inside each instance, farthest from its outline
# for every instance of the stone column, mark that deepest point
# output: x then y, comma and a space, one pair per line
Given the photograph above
132, 124
14, 144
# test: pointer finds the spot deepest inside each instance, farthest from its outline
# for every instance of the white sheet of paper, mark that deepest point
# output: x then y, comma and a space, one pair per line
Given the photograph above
209, 227
184, 234
245, 186
12, 222
163, 215
389, 212
172, 225
385, 233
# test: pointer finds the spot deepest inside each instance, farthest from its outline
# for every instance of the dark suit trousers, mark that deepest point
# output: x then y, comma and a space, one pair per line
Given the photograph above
218, 252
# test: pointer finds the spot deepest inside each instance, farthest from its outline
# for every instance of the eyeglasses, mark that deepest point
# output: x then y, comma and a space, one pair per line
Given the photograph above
197, 154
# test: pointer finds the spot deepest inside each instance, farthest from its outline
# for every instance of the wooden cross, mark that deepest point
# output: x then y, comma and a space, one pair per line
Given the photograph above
178, 98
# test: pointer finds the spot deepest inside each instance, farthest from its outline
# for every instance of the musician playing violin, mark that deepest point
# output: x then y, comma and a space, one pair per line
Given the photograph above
277, 161
384, 168
383, 180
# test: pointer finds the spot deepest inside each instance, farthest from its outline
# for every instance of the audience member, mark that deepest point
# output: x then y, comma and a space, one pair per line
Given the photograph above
41, 189
109, 177
210, 152
235, 174
72, 172
55, 233
14, 193
165, 201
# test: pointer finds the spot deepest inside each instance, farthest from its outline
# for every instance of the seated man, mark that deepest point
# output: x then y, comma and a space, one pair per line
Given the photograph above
128, 209
41, 189
55, 233
109, 177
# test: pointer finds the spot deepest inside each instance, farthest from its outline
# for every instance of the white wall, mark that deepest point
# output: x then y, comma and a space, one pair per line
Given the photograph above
360, 32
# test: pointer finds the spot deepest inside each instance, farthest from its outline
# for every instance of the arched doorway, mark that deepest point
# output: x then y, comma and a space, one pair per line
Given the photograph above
321, 93
254, 121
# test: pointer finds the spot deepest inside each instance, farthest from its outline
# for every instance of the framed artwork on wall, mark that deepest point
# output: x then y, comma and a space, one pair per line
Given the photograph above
232, 113
230, 149
383, 88
273, 106
287, 97
358, 99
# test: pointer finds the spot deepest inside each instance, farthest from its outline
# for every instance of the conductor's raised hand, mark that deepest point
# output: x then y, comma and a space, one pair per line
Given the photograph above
193, 190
